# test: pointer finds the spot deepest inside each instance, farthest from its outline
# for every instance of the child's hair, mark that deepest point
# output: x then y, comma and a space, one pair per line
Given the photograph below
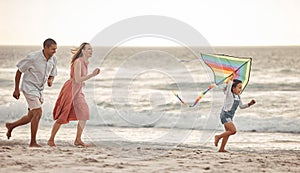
235, 83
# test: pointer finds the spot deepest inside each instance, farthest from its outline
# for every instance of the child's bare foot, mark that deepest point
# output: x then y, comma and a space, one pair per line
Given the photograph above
80, 143
9, 130
34, 145
51, 143
223, 151
217, 140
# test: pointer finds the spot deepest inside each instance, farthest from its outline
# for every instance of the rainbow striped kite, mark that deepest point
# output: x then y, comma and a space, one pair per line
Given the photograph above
223, 67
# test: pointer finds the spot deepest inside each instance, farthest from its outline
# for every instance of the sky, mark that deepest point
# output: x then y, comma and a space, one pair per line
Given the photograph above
221, 22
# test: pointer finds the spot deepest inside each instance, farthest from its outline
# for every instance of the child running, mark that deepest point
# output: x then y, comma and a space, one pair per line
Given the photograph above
232, 101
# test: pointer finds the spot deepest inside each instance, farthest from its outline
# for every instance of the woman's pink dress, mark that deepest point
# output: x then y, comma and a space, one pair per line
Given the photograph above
71, 104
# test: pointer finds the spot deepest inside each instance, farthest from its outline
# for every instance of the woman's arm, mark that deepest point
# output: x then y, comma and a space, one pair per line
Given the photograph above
77, 73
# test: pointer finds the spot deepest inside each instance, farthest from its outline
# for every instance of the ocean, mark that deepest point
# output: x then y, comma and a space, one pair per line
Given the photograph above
136, 84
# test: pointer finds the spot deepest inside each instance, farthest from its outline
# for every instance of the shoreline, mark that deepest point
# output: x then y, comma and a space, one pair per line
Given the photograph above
132, 153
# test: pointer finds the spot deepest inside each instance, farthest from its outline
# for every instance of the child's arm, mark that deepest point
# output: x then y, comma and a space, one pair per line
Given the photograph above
229, 79
247, 105
252, 102
227, 89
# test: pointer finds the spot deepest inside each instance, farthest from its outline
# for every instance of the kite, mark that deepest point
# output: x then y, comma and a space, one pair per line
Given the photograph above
224, 67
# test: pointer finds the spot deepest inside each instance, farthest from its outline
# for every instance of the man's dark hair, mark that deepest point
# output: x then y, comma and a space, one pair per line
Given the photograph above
48, 42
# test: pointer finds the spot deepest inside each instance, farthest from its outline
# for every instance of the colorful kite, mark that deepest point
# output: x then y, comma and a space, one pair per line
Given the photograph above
223, 67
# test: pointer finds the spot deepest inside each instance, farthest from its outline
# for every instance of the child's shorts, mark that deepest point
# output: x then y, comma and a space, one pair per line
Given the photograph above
225, 117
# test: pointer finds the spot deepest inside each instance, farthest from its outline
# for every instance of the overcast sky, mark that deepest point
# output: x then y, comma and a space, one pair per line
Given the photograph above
221, 22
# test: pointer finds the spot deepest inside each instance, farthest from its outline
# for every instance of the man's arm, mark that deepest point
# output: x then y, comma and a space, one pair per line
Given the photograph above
16, 93
50, 80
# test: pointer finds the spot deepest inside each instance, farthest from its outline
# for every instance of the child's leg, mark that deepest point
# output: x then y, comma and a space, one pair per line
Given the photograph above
230, 130
224, 134
55, 128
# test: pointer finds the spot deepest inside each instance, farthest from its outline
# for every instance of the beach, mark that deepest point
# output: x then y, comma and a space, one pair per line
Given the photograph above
271, 152
138, 125
161, 96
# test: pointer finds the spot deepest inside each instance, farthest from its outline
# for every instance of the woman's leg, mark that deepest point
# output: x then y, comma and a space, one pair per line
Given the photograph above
55, 128
80, 127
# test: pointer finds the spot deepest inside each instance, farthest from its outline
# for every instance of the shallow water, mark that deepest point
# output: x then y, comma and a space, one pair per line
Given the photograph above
135, 88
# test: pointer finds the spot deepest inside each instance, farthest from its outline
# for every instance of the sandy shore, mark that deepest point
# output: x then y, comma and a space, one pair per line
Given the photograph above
128, 156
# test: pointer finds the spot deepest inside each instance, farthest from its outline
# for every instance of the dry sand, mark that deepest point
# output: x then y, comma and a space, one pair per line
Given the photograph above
16, 156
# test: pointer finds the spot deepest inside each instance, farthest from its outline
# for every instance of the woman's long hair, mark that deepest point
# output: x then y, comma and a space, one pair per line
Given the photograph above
77, 52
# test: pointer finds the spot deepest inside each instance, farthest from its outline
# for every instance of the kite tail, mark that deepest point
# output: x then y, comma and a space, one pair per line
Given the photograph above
180, 99
198, 98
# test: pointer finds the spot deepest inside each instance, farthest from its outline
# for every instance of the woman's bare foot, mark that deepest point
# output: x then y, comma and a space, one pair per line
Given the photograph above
9, 130
34, 145
217, 140
223, 151
80, 143
51, 143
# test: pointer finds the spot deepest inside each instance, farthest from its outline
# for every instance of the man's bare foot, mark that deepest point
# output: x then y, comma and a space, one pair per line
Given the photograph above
223, 151
9, 130
51, 143
80, 143
217, 140
34, 145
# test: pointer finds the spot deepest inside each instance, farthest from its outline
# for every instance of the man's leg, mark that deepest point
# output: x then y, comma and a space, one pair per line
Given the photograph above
22, 121
36, 116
